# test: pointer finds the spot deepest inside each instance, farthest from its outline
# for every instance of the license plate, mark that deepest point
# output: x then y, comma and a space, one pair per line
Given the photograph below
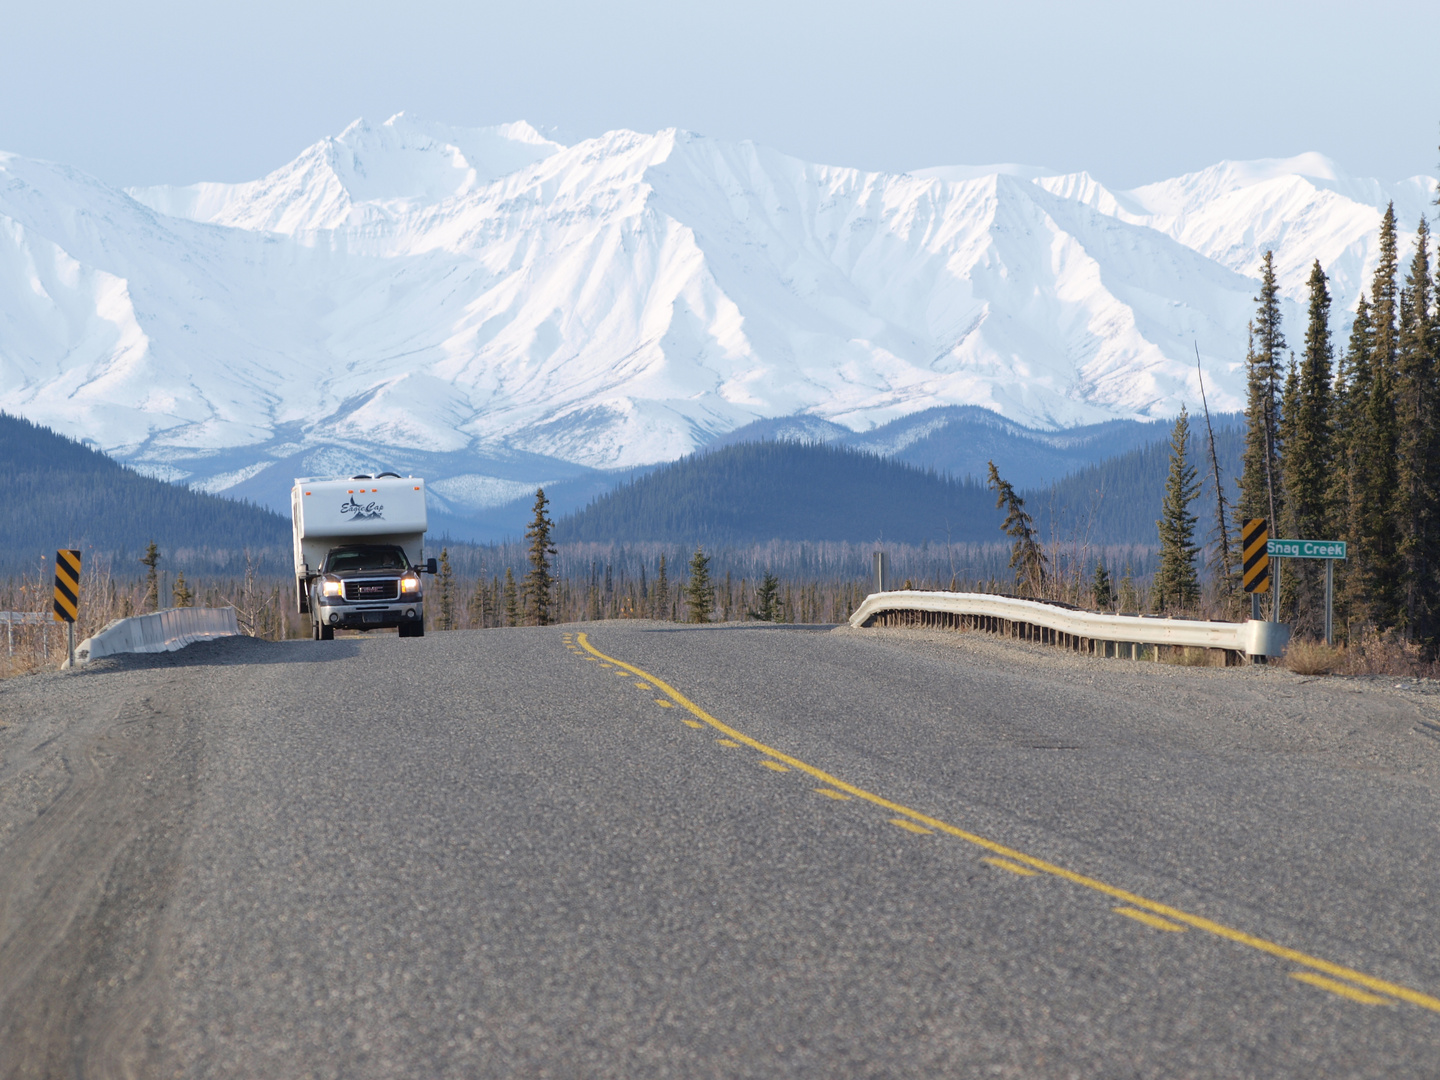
374, 616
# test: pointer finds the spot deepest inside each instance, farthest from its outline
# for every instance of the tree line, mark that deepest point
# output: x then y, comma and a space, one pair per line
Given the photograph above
1338, 445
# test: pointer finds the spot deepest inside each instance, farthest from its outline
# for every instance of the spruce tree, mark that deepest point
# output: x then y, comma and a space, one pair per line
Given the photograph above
181, 592
150, 560
1260, 496
538, 583
1308, 458
699, 592
1417, 472
476, 607
1353, 378
1384, 306
1101, 591
1177, 585
766, 596
1372, 579
1026, 557
1129, 597
445, 619
512, 600
660, 595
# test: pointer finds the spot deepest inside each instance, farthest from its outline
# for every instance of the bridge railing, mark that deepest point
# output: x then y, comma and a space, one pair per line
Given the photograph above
1084, 631
159, 631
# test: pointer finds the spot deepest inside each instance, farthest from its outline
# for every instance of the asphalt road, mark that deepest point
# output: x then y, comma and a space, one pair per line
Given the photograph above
740, 851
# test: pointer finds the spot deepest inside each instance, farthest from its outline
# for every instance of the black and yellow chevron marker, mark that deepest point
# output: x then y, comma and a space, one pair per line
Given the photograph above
67, 585
1253, 540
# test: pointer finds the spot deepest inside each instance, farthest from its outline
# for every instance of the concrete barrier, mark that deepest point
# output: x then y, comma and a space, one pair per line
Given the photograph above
1084, 631
160, 631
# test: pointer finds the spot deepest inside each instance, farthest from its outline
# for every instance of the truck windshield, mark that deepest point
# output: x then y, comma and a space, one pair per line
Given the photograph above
365, 558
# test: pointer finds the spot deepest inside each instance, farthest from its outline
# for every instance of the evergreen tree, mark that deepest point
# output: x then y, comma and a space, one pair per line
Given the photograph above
1373, 595
1129, 597
477, 609
446, 615
1353, 384
1260, 478
1384, 308
150, 560
512, 600
660, 595
1026, 557
1308, 458
699, 592
538, 582
182, 593
1177, 585
1417, 447
1101, 590
767, 595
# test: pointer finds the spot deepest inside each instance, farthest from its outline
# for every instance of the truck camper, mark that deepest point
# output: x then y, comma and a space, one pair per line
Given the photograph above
359, 553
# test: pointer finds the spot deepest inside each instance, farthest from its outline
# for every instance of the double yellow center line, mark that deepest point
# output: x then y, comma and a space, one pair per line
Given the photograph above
1165, 911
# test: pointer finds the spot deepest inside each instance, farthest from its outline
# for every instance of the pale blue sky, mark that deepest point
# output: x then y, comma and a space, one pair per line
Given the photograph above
159, 91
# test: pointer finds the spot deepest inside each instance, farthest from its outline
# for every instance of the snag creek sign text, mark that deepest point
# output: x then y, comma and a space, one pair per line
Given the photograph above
1306, 549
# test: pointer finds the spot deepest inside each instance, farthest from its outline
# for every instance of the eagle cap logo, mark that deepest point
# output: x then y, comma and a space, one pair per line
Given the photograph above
369, 511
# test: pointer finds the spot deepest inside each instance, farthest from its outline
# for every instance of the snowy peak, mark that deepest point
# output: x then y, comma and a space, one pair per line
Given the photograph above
487, 292
363, 174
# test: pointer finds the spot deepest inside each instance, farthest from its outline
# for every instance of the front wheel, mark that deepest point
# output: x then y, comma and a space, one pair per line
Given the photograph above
327, 633
416, 629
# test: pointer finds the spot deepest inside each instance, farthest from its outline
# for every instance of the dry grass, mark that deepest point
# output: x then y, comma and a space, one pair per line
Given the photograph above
1306, 657
1367, 654
1193, 656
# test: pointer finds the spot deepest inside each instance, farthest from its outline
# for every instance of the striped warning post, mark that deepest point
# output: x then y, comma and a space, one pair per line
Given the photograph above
1253, 540
67, 585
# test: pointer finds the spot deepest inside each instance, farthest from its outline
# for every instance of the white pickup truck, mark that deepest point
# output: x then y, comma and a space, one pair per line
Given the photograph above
359, 553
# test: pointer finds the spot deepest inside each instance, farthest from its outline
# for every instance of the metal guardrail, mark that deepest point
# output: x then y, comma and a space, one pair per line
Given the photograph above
1083, 631
160, 631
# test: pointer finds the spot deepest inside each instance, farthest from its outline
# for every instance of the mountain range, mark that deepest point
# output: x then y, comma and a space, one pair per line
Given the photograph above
497, 310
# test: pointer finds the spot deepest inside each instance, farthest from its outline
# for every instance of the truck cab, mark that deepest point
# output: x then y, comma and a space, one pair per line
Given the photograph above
367, 587
359, 553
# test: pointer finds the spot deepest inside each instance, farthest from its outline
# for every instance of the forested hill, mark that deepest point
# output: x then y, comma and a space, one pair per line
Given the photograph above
759, 491
1118, 500
60, 493
787, 491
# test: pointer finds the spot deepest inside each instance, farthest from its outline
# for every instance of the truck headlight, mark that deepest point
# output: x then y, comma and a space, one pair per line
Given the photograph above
410, 584
330, 588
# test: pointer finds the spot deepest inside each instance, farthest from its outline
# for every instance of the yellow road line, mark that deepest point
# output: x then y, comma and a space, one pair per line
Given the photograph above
911, 826
832, 794
1343, 989
668, 705
727, 742
694, 723
1006, 864
644, 686
1197, 922
1153, 921
776, 766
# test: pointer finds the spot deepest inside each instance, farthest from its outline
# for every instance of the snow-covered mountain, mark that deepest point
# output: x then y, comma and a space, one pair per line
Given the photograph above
501, 310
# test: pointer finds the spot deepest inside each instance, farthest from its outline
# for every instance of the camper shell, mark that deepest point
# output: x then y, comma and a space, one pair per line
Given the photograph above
359, 552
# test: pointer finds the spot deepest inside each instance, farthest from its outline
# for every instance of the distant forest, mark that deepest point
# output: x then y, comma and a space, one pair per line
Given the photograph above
753, 492
1119, 500
61, 493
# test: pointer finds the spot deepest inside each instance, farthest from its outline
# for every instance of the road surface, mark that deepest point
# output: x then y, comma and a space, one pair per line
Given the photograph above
637, 849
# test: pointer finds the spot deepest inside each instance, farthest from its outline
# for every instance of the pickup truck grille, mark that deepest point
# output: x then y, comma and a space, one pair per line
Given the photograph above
358, 592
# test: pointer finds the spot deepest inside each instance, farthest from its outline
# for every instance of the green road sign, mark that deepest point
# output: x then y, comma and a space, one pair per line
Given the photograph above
1306, 549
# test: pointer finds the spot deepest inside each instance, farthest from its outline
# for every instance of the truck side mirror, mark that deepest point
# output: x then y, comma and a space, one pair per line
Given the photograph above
431, 566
